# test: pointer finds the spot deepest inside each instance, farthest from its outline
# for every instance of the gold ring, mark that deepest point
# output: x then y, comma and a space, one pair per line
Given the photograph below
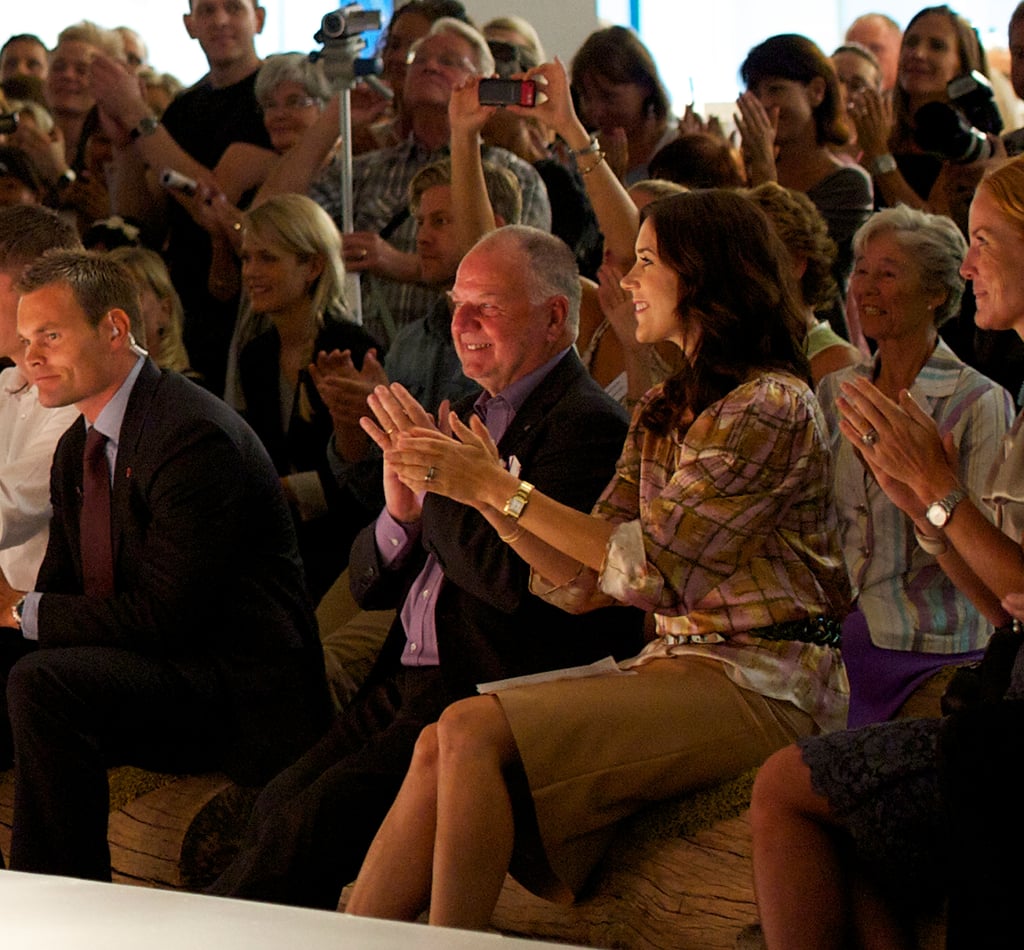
431, 472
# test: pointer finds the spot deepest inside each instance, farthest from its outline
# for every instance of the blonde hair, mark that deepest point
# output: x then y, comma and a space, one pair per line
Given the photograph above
106, 41
149, 271
299, 225
516, 24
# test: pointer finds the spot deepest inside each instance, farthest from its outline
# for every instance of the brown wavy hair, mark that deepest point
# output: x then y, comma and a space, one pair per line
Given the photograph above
736, 286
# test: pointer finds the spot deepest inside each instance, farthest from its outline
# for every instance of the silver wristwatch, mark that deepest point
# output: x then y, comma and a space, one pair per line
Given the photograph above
884, 164
939, 512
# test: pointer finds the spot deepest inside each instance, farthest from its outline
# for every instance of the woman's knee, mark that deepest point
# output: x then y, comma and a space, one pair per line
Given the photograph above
424, 753
475, 728
783, 785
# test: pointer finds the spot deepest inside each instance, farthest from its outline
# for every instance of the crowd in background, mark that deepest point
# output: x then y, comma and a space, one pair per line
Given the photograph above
852, 171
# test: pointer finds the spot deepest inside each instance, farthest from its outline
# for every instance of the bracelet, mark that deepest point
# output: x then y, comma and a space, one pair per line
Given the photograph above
936, 547
513, 536
65, 178
146, 126
587, 171
589, 149
553, 588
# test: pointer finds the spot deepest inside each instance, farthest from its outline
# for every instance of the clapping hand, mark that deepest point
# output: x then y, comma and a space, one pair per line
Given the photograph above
463, 468
757, 127
900, 443
396, 411
345, 390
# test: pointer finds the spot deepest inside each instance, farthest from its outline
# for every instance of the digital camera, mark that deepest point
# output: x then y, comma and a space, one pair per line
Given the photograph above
958, 131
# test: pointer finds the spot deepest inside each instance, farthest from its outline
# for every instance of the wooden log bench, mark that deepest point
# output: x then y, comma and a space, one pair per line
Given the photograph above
676, 875
166, 831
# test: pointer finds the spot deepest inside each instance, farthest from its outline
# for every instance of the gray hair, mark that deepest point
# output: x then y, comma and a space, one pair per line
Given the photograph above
483, 58
551, 267
291, 67
933, 241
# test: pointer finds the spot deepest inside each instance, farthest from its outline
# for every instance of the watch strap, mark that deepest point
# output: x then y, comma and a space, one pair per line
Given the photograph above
147, 126
516, 504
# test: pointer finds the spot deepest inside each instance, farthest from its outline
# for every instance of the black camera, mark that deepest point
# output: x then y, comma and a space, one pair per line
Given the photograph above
958, 131
347, 21
8, 123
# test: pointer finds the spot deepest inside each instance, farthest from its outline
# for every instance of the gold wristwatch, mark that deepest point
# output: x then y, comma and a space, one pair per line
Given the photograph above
516, 505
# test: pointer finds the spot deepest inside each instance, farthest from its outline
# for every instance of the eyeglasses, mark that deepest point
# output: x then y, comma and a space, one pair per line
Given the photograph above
291, 104
445, 60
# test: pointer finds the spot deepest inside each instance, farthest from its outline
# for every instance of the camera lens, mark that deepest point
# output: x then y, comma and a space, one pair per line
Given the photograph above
942, 131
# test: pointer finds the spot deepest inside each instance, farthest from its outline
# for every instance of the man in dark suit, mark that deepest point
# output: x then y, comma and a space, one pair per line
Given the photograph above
176, 631
466, 615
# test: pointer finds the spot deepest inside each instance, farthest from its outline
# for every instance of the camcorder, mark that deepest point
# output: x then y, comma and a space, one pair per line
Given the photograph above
958, 131
345, 22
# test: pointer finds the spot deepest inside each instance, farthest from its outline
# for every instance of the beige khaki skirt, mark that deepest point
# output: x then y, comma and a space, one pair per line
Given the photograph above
597, 750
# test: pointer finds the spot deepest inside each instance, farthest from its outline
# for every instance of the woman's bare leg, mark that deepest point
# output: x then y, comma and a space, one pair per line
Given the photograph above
810, 894
394, 881
798, 878
475, 830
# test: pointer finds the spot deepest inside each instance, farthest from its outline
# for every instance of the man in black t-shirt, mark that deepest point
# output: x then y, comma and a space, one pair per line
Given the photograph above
203, 121
219, 109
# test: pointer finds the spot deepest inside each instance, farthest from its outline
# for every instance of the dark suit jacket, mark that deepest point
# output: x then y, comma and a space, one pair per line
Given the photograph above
207, 575
567, 436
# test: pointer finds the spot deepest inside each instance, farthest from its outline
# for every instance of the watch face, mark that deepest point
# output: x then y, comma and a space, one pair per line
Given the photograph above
937, 514
516, 505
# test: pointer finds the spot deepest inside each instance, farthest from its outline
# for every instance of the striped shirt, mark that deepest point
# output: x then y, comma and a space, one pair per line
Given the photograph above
905, 595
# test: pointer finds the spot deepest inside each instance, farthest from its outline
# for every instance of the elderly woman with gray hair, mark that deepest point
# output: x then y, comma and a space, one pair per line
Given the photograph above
912, 617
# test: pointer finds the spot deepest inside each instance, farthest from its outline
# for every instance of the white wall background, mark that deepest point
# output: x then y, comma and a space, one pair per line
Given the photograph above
698, 42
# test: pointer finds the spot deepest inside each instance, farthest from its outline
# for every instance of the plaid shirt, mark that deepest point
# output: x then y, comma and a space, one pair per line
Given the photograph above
380, 195
729, 528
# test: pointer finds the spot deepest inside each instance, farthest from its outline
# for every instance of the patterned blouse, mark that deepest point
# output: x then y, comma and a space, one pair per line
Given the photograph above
727, 529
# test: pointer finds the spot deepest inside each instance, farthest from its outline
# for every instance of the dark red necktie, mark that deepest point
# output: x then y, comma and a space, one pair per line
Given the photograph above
97, 550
